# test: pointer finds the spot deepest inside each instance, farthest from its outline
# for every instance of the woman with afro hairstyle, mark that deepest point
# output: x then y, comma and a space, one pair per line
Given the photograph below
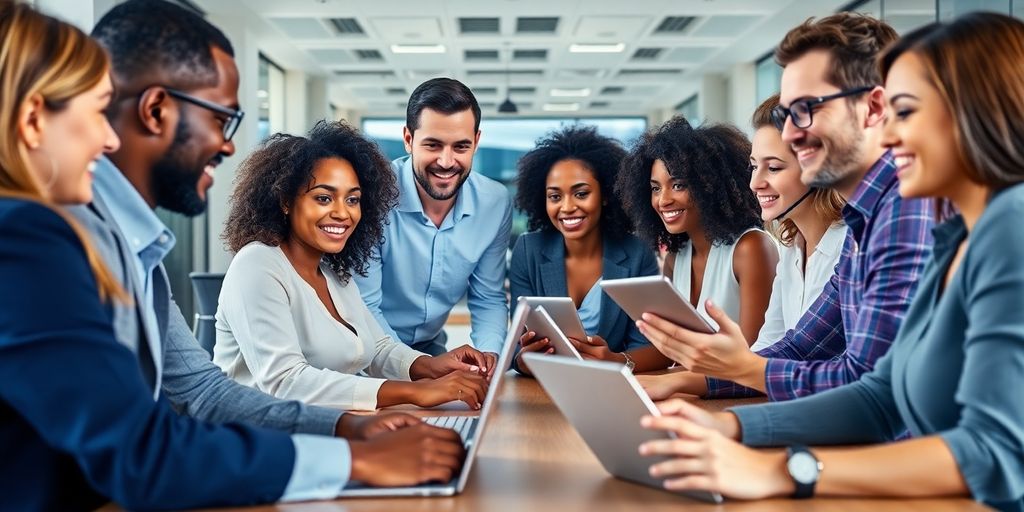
687, 190
579, 236
305, 216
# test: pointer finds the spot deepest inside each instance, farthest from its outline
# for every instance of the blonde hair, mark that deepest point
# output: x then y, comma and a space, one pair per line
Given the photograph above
40, 55
827, 203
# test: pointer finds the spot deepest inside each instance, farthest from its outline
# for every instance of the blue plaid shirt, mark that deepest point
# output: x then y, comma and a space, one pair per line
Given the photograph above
859, 311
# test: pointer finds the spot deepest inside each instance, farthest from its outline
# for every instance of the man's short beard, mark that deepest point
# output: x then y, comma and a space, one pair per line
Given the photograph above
437, 195
174, 183
844, 158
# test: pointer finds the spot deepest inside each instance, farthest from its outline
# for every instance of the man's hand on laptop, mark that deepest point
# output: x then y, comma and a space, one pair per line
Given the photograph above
464, 358
408, 456
357, 427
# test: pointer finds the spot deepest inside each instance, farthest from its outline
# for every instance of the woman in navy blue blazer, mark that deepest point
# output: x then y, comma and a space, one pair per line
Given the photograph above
579, 236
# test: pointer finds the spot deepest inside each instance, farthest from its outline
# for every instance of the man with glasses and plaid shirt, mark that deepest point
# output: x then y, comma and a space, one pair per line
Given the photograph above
831, 113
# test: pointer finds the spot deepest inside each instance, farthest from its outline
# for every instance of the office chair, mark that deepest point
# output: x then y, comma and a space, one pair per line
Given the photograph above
206, 288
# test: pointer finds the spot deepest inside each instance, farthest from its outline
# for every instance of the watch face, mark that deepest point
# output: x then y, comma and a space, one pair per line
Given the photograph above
803, 467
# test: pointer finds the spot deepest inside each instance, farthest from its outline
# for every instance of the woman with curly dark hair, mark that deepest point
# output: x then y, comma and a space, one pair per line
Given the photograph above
687, 190
580, 236
305, 216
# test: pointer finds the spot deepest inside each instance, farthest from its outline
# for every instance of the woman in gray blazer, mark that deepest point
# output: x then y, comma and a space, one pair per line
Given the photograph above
579, 236
951, 377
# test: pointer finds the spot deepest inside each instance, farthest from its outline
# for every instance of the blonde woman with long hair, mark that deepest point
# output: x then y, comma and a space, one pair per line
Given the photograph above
80, 427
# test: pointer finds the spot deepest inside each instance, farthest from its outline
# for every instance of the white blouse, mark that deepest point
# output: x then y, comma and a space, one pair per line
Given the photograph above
793, 291
274, 333
719, 282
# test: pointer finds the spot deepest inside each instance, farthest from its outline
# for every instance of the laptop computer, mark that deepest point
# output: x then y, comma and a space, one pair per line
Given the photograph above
471, 428
610, 426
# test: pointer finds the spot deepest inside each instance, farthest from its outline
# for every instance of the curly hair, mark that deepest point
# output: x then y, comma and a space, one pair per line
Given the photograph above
282, 167
599, 154
711, 161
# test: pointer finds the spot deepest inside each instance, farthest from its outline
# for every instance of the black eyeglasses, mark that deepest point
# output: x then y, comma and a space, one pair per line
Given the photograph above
234, 117
800, 111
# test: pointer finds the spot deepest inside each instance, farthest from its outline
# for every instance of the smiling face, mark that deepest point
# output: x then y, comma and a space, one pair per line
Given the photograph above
574, 199
920, 133
671, 200
71, 141
774, 173
830, 150
442, 150
323, 216
184, 175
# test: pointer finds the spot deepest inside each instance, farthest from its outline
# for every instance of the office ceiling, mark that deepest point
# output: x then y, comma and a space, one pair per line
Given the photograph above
520, 48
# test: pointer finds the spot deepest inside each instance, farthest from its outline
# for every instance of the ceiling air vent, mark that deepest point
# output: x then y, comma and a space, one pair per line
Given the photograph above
529, 54
478, 25
480, 55
536, 25
607, 91
369, 55
346, 26
674, 24
647, 53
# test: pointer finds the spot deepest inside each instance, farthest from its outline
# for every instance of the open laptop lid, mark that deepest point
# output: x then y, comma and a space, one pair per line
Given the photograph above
610, 426
503, 365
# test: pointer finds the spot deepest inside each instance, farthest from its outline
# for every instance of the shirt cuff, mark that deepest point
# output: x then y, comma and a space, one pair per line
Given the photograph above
364, 397
755, 425
318, 420
778, 379
323, 466
408, 359
490, 345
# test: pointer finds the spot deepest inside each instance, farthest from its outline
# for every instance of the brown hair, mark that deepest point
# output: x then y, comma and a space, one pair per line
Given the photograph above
988, 114
827, 203
40, 55
852, 40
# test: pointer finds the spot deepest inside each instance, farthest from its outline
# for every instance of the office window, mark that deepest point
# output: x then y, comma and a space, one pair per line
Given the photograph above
503, 142
949, 9
271, 98
689, 109
768, 74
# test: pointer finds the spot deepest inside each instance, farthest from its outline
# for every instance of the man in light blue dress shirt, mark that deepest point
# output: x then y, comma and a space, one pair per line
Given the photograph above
449, 235
175, 114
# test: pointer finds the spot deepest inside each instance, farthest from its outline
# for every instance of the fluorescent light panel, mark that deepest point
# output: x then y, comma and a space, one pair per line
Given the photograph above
561, 107
570, 93
597, 48
417, 48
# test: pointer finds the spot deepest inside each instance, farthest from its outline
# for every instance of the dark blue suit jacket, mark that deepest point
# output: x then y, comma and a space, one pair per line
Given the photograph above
78, 424
538, 270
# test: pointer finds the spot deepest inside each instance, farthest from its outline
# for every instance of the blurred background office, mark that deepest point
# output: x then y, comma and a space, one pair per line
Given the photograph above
534, 65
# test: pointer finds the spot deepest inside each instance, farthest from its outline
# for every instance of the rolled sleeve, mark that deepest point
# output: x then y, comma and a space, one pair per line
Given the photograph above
322, 468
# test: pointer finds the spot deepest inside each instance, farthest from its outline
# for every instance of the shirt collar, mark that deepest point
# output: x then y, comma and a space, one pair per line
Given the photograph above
871, 189
832, 241
948, 235
409, 197
138, 222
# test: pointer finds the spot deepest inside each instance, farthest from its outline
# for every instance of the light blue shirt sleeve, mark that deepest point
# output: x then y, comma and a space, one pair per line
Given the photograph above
323, 466
370, 289
488, 308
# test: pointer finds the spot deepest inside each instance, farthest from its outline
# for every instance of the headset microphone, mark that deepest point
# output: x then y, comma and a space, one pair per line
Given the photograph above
794, 205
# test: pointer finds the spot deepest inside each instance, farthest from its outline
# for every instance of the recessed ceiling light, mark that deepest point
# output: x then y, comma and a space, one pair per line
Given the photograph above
417, 48
561, 107
570, 93
597, 48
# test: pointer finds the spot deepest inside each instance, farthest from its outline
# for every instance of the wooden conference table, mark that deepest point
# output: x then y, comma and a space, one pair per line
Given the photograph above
532, 460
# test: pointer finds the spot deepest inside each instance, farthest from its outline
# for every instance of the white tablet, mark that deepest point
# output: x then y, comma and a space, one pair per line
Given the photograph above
540, 322
611, 425
563, 311
655, 294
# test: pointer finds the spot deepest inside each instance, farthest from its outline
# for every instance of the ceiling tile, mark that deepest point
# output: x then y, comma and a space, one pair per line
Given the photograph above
690, 54
302, 28
332, 57
724, 26
422, 29
619, 28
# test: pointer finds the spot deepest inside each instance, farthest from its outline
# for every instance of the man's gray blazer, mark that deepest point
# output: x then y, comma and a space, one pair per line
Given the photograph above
192, 383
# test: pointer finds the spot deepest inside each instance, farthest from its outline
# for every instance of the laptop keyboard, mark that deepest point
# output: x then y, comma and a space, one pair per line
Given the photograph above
461, 424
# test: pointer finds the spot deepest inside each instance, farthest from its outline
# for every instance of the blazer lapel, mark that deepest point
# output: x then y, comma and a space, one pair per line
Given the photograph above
613, 260
552, 267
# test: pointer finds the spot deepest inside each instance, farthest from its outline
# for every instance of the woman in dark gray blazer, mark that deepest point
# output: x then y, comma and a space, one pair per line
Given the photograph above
952, 376
579, 236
